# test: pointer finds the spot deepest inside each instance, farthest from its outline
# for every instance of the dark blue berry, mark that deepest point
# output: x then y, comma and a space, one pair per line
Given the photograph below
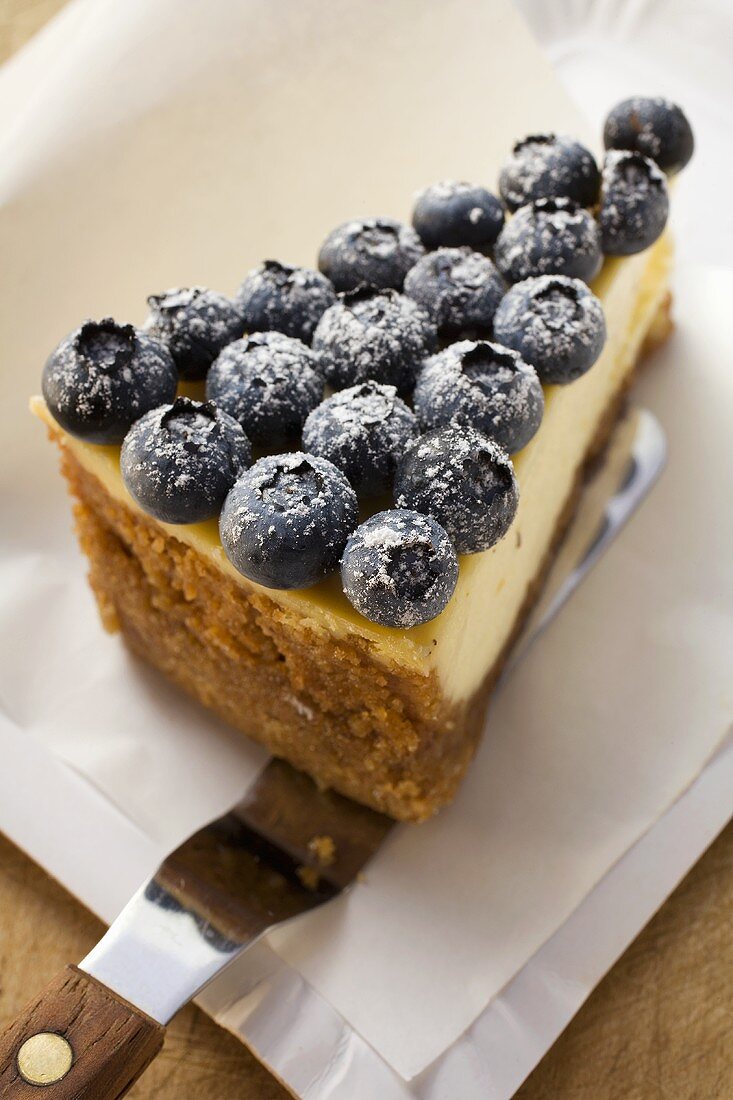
363, 431
269, 383
483, 385
399, 568
196, 324
549, 166
463, 479
375, 252
103, 376
459, 289
549, 237
654, 127
286, 521
377, 335
180, 461
452, 213
278, 298
555, 323
634, 203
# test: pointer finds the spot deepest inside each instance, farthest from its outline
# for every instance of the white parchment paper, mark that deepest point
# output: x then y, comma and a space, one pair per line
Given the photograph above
150, 144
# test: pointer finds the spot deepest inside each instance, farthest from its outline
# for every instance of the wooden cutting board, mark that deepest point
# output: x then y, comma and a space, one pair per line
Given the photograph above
659, 1027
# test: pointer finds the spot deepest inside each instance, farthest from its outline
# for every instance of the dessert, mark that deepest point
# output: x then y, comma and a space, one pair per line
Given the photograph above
315, 598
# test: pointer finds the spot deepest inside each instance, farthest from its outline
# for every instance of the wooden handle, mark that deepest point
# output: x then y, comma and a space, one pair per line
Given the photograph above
76, 1041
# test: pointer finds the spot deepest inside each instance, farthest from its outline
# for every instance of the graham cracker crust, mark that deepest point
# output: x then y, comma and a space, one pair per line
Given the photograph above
326, 705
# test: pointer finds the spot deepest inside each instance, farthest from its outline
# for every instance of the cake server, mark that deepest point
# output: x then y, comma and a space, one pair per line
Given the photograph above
284, 850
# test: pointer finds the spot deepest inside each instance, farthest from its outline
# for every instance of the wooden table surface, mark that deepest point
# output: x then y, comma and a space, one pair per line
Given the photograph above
659, 1027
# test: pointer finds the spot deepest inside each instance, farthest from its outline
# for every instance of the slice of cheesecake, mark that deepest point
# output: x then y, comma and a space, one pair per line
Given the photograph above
389, 717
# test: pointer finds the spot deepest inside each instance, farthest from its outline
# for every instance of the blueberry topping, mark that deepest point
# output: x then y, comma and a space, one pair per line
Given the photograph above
375, 252
452, 213
399, 568
378, 335
286, 521
458, 288
180, 461
463, 479
278, 298
103, 376
549, 166
363, 431
269, 383
654, 127
634, 203
555, 323
549, 237
483, 385
196, 324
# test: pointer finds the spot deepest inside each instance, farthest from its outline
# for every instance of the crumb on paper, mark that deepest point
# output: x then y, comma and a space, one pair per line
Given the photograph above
308, 876
323, 848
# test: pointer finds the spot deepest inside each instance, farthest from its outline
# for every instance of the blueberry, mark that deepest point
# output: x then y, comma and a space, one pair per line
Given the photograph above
196, 324
458, 288
375, 252
286, 521
653, 126
103, 376
483, 385
179, 461
363, 431
549, 237
634, 203
399, 568
555, 323
278, 298
463, 479
269, 383
453, 213
549, 166
378, 335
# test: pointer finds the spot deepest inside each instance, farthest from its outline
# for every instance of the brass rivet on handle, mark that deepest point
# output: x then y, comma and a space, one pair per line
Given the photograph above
45, 1058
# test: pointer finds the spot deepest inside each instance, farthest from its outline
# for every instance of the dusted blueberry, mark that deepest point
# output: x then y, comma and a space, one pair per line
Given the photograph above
363, 431
463, 479
278, 298
180, 461
549, 166
634, 203
399, 568
458, 288
483, 385
453, 213
555, 323
103, 376
286, 521
549, 237
376, 252
654, 127
196, 324
378, 335
269, 383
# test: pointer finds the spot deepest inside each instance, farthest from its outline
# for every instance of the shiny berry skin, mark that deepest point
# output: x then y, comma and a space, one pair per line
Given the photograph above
103, 376
549, 166
452, 213
286, 521
277, 297
555, 323
195, 324
462, 479
654, 127
399, 568
458, 289
484, 385
375, 252
634, 203
180, 461
549, 237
